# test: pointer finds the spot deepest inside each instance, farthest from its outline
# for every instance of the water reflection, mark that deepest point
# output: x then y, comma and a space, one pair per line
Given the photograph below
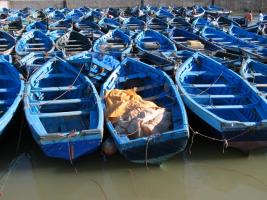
205, 174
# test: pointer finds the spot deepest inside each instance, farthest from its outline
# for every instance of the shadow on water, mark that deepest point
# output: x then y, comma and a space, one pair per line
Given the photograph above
204, 174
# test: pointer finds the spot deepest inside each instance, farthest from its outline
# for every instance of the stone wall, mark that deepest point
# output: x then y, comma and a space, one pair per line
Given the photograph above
19, 4
235, 5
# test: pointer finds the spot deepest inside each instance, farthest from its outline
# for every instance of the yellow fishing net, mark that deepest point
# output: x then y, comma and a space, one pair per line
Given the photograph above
195, 44
135, 116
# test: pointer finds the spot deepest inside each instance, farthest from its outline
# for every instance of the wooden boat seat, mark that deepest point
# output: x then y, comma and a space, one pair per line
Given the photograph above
62, 114
148, 87
3, 90
132, 76
159, 96
249, 106
7, 101
38, 49
55, 89
224, 42
211, 85
5, 77
252, 75
261, 85
60, 101
216, 39
220, 96
198, 73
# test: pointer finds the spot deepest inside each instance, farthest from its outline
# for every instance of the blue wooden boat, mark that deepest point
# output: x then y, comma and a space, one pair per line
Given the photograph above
108, 24
56, 15
180, 22
200, 22
255, 73
113, 12
73, 42
37, 26
179, 11
226, 22
65, 24
216, 11
153, 42
88, 28
182, 40
63, 111
115, 43
56, 34
249, 37
97, 15
151, 85
134, 24
232, 61
34, 41
49, 10
164, 14
85, 10
11, 92
6, 58
30, 63
86, 23
96, 66
92, 34
65, 10
37, 15
233, 44
170, 65
15, 27
74, 15
158, 25
7, 43
224, 101
199, 12
240, 20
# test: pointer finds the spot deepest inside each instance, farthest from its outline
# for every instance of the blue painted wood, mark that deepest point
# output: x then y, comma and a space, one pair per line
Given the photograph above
255, 73
41, 26
217, 11
247, 36
115, 43
33, 61
7, 43
11, 92
180, 22
95, 65
34, 41
181, 38
108, 24
64, 24
64, 111
72, 43
233, 44
223, 100
155, 85
55, 15
153, 42
157, 24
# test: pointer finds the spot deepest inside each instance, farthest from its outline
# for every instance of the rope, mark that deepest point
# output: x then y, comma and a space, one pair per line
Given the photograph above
148, 140
225, 141
61, 95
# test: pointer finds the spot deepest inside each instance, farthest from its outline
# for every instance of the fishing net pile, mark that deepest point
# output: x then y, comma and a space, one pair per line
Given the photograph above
195, 44
132, 115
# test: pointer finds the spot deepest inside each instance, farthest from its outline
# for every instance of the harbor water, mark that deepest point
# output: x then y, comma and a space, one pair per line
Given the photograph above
206, 173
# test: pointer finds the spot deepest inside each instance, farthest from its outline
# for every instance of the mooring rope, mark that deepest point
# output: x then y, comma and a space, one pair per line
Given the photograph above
225, 141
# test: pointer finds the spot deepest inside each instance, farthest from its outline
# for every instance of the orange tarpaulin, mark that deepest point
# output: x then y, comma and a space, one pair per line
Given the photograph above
135, 116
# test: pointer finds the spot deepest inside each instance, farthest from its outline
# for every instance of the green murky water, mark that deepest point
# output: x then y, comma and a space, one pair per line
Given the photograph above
205, 174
